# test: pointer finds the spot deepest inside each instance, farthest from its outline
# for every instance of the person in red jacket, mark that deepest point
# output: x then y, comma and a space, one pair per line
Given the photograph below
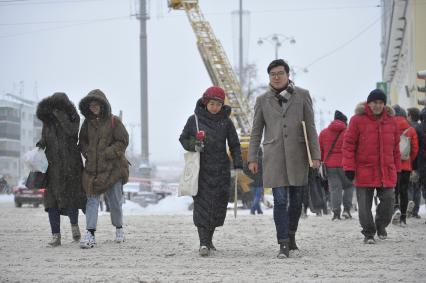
331, 141
372, 159
401, 189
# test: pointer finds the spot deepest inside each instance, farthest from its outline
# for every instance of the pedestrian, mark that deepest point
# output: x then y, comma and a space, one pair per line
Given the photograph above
372, 159
414, 188
278, 116
215, 131
421, 159
331, 141
64, 193
256, 187
103, 141
401, 189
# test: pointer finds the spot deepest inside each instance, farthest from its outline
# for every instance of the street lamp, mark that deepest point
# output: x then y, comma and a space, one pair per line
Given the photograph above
277, 40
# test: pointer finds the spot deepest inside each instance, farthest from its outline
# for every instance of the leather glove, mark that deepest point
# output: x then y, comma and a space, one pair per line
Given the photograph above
350, 175
199, 146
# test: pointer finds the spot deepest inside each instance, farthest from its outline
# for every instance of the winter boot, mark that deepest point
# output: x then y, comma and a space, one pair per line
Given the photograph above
204, 251
336, 216
381, 233
369, 240
284, 249
88, 240
56, 240
347, 214
75, 230
211, 246
292, 242
119, 235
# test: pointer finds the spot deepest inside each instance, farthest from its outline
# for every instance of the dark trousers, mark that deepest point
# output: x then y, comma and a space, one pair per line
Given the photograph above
415, 194
287, 218
55, 219
401, 192
384, 209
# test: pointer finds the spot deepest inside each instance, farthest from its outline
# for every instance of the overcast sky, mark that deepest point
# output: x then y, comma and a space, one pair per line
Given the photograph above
75, 46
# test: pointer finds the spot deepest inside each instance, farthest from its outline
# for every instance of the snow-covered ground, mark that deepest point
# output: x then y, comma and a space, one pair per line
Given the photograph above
162, 244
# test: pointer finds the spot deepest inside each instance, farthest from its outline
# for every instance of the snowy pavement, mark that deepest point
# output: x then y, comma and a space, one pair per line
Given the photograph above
162, 245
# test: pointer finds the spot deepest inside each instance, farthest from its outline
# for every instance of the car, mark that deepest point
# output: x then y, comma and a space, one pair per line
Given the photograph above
23, 195
145, 198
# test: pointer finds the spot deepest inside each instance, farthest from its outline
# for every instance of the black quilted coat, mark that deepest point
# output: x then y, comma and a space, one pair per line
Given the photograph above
210, 204
64, 188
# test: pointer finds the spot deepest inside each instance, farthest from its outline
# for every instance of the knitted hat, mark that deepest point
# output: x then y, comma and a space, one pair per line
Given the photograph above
377, 94
340, 116
399, 111
215, 93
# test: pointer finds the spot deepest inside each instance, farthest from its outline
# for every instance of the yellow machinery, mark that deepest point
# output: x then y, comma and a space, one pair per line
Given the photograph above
221, 74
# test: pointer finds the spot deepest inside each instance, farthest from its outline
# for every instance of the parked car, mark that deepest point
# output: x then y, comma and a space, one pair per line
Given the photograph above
145, 198
23, 195
131, 189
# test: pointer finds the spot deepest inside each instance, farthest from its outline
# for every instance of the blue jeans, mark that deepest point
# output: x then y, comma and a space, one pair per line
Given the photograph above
415, 194
55, 219
114, 197
257, 195
287, 218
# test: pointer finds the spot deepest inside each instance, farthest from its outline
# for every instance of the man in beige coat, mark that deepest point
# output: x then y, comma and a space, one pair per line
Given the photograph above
278, 114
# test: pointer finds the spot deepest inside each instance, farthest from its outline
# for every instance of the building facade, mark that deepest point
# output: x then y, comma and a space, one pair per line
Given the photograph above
19, 132
403, 49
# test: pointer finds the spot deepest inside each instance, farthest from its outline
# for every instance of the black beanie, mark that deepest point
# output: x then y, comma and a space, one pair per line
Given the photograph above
377, 94
340, 116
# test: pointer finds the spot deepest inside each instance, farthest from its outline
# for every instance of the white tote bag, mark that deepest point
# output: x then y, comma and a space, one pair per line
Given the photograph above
188, 185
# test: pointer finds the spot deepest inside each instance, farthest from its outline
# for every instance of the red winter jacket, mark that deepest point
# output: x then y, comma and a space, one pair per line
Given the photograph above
326, 139
414, 142
371, 148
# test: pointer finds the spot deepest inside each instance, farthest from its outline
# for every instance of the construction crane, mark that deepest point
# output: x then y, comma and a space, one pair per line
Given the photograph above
217, 65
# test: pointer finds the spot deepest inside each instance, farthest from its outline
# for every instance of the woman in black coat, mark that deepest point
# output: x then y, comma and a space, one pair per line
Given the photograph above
64, 193
211, 201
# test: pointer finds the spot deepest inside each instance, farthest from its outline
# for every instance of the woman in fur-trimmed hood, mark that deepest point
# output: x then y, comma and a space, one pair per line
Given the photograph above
64, 193
103, 141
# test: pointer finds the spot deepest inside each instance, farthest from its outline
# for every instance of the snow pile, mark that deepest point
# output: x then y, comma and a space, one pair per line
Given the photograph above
6, 198
170, 205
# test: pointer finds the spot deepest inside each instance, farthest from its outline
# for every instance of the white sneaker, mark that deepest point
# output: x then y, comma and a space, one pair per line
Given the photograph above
119, 235
88, 241
396, 216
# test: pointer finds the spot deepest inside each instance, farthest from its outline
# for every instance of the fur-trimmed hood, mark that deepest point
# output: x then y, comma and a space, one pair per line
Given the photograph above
58, 100
363, 109
100, 97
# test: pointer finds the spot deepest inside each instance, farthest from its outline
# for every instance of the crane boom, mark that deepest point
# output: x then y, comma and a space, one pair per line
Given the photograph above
217, 64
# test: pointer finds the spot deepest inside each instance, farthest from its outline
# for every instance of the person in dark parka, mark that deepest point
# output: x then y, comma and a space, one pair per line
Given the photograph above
210, 203
64, 192
103, 141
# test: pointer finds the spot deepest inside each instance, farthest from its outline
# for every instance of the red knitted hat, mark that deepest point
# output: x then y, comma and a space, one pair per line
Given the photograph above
215, 93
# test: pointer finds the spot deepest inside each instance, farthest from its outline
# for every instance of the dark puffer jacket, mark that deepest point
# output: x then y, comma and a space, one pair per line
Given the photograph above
59, 139
103, 142
210, 204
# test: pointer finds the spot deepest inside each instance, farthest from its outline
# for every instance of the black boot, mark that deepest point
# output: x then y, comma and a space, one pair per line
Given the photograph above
211, 232
292, 242
284, 249
336, 216
204, 235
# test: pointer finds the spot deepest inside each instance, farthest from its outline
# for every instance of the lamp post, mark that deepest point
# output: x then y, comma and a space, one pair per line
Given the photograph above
277, 40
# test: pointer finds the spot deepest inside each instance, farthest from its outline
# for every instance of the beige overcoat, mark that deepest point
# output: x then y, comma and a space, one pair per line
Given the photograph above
285, 158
